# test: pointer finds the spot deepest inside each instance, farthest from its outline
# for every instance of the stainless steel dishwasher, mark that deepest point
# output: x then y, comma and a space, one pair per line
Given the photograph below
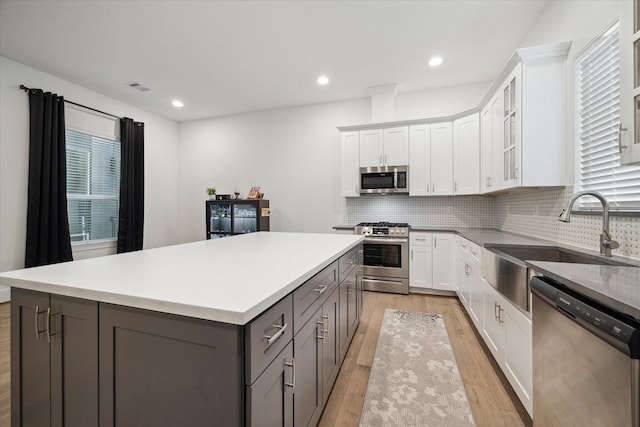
585, 361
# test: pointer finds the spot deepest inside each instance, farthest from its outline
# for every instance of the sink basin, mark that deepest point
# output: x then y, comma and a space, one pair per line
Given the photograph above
504, 268
553, 254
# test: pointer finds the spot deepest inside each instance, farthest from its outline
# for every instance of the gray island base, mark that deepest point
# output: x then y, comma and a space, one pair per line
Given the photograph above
90, 362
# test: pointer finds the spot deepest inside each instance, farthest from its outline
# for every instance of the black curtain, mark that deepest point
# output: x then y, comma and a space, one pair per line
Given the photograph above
131, 222
48, 239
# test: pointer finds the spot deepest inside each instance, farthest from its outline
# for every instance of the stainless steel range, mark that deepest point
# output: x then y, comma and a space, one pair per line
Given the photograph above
386, 256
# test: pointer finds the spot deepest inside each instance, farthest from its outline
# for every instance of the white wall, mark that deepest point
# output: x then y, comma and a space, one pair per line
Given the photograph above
161, 166
292, 154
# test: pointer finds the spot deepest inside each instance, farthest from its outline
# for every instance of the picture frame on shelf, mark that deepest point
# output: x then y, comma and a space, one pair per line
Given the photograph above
254, 193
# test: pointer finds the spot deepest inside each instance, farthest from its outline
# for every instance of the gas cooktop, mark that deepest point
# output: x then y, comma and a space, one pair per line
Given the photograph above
383, 224
382, 229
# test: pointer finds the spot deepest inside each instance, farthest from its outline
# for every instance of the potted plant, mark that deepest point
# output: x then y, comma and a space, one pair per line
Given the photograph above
211, 191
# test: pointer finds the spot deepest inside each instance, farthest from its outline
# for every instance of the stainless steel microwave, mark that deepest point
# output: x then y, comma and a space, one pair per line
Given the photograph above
384, 180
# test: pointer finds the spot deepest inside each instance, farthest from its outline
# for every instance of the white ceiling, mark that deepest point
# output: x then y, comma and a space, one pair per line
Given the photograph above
228, 57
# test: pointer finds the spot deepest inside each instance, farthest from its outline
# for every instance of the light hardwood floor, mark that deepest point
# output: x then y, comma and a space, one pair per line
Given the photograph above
492, 401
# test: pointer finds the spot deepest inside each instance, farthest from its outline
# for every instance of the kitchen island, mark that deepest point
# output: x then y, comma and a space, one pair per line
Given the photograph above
219, 332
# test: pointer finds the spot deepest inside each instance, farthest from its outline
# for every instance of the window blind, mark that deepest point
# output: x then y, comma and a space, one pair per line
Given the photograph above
93, 186
598, 100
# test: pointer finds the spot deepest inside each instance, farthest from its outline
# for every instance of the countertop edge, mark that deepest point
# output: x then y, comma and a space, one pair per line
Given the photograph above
182, 309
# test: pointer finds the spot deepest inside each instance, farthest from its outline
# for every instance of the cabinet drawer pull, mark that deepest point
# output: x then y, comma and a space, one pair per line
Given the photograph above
321, 289
292, 384
271, 339
495, 310
500, 310
349, 261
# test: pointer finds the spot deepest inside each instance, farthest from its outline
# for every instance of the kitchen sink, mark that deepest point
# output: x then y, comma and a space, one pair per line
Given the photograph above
553, 254
504, 267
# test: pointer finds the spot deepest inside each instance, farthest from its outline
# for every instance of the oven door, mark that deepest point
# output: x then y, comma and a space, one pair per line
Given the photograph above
385, 257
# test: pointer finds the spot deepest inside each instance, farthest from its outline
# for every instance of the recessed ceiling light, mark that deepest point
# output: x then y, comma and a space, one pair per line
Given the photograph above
435, 61
323, 80
177, 103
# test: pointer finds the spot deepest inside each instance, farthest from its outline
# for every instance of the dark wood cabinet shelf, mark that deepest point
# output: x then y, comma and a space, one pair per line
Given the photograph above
230, 217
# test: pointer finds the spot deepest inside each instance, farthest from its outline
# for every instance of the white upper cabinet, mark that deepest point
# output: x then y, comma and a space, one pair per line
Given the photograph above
441, 159
491, 144
629, 135
466, 155
511, 138
420, 160
534, 139
396, 146
371, 147
384, 147
350, 164
518, 138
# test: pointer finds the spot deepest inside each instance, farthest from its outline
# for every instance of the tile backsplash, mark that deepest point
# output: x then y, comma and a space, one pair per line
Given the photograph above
529, 212
445, 211
535, 213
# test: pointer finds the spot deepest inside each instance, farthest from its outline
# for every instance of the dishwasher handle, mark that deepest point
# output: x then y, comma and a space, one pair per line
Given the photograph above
625, 336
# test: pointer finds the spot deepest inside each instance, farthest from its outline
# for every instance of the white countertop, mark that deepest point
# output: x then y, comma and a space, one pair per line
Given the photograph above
230, 280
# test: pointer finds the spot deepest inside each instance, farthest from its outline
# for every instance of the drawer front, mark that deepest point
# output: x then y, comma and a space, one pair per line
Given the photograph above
266, 336
347, 262
464, 244
419, 239
475, 252
310, 296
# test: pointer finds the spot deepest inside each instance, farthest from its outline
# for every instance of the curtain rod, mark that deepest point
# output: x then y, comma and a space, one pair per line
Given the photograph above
27, 89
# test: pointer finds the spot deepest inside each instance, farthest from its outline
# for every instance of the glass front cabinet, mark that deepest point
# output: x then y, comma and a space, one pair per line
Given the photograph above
230, 217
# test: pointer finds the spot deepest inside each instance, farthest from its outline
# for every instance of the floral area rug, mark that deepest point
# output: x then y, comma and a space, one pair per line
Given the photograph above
414, 379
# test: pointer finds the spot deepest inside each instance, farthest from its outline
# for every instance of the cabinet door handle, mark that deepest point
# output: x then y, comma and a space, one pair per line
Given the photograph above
321, 336
455, 186
271, 339
495, 310
385, 159
326, 329
500, 310
321, 289
620, 130
49, 325
435, 242
434, 187
515, 173
292, 384
380, 159
35, 322
411, 253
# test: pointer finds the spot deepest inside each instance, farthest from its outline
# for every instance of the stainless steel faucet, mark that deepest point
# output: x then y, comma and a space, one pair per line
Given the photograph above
606, 243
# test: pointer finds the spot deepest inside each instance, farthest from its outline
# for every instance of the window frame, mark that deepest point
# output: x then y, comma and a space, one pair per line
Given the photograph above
581, 204
98, 126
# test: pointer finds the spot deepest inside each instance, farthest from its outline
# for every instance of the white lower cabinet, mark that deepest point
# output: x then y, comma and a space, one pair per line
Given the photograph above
431, 261
507, 332
505, 329
518, 354
460, 270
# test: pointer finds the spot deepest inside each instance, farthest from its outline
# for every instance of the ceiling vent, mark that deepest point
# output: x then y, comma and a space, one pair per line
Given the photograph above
139, 86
